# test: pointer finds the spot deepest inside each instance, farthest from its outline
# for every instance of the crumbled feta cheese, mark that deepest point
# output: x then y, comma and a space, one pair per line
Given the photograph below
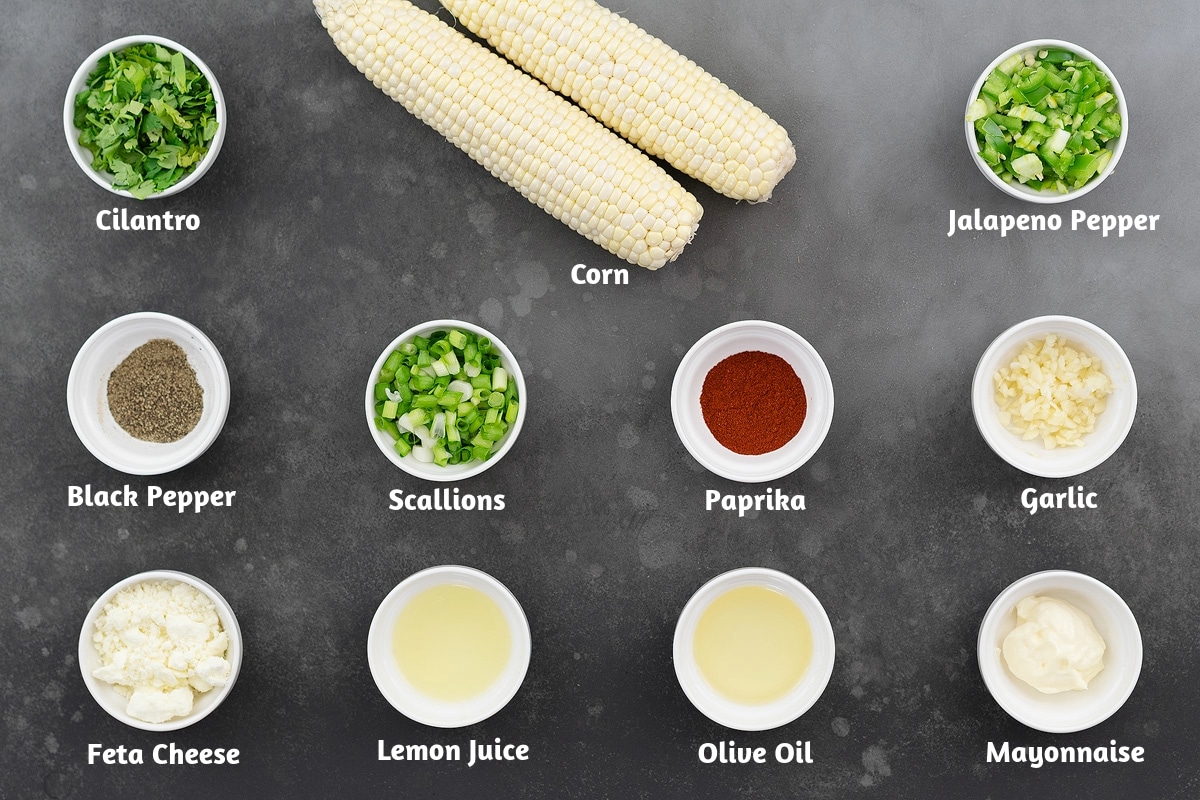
159, 642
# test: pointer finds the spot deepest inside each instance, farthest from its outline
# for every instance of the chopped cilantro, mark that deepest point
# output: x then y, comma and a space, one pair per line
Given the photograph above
147, 116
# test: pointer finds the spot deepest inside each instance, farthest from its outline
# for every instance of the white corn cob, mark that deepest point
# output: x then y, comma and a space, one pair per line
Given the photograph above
545, 147
640, 87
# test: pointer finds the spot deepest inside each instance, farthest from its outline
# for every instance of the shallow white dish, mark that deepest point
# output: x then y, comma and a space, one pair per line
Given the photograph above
87, 393
452, 472
739, 337
83, 156
420, 707
1112, 425
763, 717
1018, 190
1066, 711
205, 702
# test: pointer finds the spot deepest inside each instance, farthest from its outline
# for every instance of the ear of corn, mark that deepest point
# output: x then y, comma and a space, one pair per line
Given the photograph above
526, 135
640, 87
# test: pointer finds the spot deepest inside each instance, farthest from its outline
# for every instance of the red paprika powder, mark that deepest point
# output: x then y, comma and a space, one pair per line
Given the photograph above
753, 402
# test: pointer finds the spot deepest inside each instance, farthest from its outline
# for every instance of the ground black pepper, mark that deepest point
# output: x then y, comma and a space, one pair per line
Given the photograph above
154, 395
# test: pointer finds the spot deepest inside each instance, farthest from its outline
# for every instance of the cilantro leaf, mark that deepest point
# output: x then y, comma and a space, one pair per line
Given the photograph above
147, 116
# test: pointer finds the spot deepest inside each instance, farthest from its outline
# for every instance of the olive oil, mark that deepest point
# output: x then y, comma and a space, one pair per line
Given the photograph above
451, 642
753, 644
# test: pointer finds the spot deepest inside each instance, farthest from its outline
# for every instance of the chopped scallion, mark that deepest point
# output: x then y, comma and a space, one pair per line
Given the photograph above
446, 399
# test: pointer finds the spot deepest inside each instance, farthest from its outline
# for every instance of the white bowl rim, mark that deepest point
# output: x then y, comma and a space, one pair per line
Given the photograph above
72, 133
220, 409
993, 671
456, 472
982, 401
680, 403
770, 715
110, 701
521, 650
1046, 196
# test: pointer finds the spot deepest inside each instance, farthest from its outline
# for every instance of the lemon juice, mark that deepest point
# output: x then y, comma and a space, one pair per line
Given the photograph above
451, 642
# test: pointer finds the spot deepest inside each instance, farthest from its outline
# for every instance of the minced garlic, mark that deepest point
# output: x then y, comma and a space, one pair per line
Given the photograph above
1052, 390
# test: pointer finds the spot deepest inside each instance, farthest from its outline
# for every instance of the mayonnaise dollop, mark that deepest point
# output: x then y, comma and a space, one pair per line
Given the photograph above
1055, 647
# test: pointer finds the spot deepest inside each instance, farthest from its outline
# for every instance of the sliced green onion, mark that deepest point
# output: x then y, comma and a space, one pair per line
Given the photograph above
425, 401
441, 456
492, 432
393, 361
448, 399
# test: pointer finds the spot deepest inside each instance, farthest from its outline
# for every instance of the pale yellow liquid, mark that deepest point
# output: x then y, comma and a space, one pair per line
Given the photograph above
753, 645
451, 642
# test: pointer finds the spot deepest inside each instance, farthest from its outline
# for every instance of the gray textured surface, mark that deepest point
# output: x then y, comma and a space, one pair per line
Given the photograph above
333, 220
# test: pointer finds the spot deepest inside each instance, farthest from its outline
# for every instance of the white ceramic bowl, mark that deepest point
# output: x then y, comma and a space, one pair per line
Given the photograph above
1018, 190
106, 695
418, 706
1066, 711
1112, 425
87, 393
762, 717
739, 337
452, 472
83, 156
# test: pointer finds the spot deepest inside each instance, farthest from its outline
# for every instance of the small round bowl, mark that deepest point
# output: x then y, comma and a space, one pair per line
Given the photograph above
87, 393
1064, 712
1112, 425
205, 702
452, 472
1018, 190
420, 707
740, 337
83, 156
762, 717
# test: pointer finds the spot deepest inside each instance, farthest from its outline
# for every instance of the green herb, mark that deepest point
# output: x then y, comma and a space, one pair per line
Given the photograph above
1044, 119
445, 399
148, 116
